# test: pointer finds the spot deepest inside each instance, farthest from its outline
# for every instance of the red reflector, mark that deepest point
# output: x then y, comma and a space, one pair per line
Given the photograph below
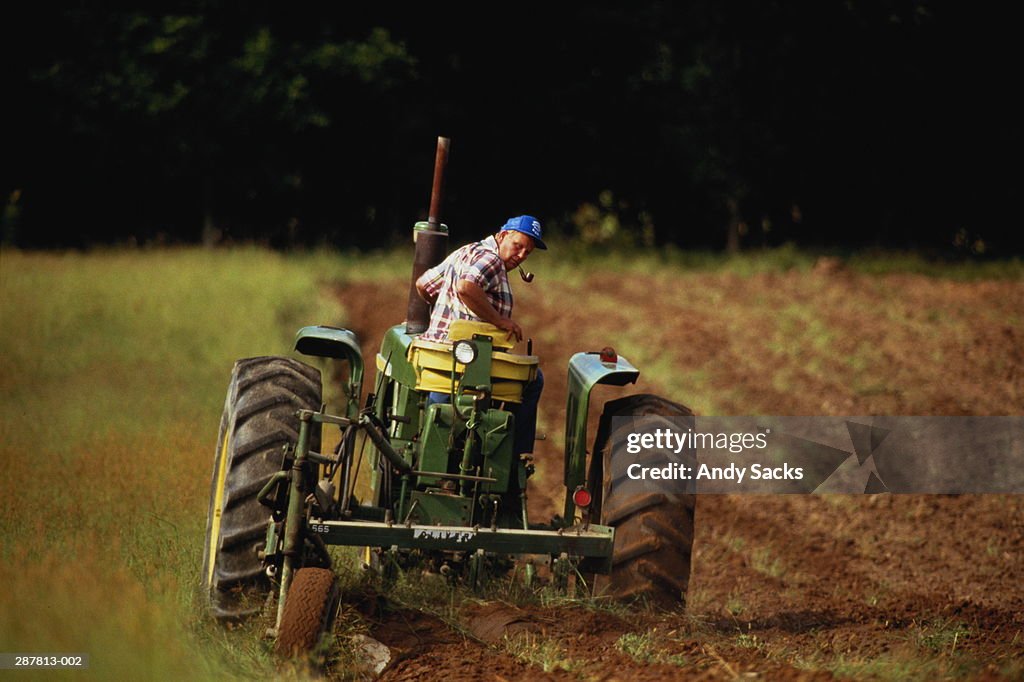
608, 354
581, 498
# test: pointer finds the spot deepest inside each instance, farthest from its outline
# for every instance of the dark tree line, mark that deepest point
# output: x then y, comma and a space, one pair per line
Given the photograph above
703, 124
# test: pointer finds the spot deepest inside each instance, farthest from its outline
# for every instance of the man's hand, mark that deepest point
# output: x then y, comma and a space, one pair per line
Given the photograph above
511, 327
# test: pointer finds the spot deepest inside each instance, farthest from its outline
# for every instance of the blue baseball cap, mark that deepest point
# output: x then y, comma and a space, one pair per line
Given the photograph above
528, 225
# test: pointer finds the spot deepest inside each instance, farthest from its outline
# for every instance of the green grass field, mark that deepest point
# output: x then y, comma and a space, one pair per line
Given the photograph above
112, 370
113, 366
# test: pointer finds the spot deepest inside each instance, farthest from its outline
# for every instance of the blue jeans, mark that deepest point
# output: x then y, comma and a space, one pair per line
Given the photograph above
525, 413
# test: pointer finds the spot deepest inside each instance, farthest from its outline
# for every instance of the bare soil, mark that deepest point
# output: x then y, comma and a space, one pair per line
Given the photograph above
782, 587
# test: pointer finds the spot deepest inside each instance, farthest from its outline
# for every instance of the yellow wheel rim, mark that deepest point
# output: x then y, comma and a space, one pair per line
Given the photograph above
218, 506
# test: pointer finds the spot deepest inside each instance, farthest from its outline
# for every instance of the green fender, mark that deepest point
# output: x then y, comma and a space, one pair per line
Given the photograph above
586, 370
338, 344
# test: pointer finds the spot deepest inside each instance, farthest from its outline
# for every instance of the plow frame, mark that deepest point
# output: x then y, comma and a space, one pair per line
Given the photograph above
587, 546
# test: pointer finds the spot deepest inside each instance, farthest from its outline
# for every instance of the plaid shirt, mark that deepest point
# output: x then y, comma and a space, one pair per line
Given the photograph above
478, 263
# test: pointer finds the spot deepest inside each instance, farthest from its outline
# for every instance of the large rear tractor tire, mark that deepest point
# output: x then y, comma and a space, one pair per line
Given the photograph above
258, 421
309, 611
653, 530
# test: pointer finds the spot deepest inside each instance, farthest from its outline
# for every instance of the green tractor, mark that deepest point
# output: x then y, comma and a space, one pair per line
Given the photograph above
444, 488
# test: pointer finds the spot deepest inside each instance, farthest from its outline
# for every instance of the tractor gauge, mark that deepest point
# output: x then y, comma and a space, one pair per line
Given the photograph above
465, 352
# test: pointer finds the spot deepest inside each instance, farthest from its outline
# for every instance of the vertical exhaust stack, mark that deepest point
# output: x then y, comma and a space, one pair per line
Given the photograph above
431, 240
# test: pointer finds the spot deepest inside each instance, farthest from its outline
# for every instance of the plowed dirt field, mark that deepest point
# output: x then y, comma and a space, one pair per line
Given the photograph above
782, 587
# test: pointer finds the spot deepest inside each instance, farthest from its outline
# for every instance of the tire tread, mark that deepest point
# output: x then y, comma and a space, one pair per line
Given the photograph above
307, 611
259, 417
653, 530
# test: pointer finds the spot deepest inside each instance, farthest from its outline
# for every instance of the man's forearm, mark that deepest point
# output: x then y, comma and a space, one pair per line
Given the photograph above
476, 300
424, 295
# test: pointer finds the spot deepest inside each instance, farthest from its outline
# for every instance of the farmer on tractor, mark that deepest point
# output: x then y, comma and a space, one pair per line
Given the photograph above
447, 479
472, 284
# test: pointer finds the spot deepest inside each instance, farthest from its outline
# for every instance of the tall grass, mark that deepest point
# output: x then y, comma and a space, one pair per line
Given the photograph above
112, 370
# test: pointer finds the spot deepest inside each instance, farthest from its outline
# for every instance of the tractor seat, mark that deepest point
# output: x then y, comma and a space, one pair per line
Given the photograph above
465, 329
510, 372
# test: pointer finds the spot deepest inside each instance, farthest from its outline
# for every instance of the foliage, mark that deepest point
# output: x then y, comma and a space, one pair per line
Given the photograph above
212, 103
705, 124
